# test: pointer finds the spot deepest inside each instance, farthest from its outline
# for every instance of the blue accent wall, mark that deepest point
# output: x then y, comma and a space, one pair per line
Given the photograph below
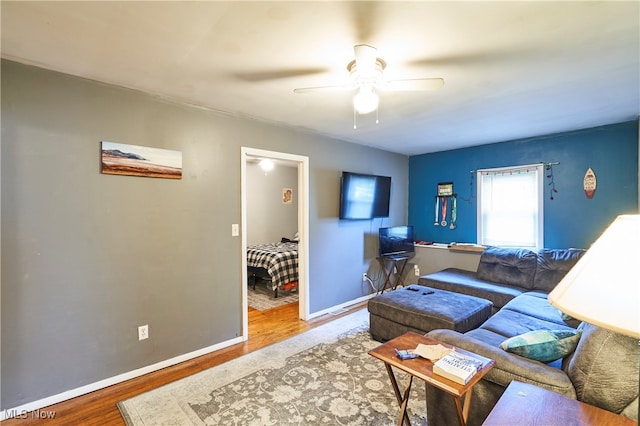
570, 219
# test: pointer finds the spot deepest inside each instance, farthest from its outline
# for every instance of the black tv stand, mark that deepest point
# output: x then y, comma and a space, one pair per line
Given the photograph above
389, 264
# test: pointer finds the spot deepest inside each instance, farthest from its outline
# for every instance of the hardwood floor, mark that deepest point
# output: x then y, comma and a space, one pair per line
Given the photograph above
99, 407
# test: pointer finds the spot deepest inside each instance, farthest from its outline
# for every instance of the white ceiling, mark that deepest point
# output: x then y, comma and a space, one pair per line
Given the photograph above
511, 69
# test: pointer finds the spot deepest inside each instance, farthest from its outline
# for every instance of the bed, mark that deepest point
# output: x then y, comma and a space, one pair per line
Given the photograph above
276, 262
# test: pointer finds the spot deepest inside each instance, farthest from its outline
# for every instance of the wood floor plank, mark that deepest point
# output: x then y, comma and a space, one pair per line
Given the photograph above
99, 407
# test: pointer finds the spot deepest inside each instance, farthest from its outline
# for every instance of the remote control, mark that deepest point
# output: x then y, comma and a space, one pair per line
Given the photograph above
404, 354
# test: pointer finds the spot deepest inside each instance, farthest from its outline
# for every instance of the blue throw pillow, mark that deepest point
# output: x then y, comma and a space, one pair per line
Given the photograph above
543, 345
567, 317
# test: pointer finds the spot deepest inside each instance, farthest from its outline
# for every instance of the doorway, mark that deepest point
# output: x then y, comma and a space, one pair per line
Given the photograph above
302, 164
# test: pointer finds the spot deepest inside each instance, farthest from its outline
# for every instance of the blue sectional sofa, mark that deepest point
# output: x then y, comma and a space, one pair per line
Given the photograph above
504, 274
603, 370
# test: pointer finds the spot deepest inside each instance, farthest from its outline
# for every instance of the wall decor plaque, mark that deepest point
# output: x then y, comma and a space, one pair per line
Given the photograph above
445, 189
589, 183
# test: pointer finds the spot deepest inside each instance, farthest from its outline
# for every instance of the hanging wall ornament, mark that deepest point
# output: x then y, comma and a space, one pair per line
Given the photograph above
552, 185
443, 222
589, 183
437, 222
454, 212
471, 194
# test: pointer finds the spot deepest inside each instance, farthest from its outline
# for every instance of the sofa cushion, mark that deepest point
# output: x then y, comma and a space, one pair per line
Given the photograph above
604, 369
510, 266
543, 345
487, 336
553, 265
466, 282
510, 323
508, 367
536, 305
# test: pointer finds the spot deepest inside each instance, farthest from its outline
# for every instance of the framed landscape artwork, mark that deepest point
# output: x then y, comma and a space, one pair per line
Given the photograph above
133, 160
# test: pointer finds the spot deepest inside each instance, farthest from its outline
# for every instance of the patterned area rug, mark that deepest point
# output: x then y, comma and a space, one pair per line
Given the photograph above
321, 377
262, 297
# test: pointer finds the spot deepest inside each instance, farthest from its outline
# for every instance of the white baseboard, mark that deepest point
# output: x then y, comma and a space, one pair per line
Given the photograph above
21, 411
341, 306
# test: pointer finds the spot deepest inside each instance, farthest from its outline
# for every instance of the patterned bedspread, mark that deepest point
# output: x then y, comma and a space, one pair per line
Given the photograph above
279, 259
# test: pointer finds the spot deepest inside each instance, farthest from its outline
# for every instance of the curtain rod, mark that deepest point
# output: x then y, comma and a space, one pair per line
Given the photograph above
523, 165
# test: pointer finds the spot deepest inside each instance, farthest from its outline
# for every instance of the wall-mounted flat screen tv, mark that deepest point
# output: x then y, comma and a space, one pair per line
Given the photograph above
364, 196
396, 241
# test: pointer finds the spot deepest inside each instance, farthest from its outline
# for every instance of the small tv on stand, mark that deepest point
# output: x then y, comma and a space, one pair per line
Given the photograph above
396, 241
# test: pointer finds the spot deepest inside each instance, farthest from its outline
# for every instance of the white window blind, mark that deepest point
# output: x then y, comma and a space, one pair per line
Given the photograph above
510, 206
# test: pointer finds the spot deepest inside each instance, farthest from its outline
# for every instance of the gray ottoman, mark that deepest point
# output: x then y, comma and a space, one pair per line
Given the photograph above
422, 309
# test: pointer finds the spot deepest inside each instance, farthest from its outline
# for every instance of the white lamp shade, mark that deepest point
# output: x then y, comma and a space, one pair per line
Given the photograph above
603, 288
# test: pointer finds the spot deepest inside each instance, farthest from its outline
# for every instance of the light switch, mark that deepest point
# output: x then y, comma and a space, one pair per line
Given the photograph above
235, 230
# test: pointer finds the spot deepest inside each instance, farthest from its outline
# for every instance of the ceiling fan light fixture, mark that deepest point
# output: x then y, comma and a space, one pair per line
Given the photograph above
368, 75
365, 101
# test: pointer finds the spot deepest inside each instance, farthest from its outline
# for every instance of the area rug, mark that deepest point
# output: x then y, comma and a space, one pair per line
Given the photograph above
321, 377
262, 297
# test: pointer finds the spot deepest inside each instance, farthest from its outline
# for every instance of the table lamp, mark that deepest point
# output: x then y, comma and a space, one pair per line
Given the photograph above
603, 288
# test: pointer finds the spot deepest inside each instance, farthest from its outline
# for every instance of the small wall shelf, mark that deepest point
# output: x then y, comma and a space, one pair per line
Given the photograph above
476, 248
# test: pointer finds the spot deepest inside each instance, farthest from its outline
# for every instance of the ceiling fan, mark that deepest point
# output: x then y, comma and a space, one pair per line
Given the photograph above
366, 72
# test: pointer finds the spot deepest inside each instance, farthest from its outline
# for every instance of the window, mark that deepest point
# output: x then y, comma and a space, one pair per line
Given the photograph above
510, 206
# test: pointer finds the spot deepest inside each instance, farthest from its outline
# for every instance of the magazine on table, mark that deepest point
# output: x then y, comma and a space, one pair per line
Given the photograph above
457, 367
431, 352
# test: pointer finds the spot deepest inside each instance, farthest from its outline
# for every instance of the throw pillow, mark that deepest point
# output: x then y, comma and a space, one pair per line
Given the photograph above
543, 345
566, 317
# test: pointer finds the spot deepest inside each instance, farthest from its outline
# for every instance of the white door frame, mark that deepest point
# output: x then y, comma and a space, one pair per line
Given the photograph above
303, 228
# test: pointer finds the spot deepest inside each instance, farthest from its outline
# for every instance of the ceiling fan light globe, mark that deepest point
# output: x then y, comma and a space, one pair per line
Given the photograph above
365, 101
266, 164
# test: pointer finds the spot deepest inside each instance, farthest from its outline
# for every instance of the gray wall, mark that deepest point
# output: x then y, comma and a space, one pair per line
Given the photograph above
268, 219
430, 259
87, 258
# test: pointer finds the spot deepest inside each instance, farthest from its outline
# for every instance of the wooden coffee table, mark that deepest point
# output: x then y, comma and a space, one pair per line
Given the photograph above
524, 404
423, 370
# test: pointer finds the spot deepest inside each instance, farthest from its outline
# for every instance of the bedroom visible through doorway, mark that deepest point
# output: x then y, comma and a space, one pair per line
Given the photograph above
274, 232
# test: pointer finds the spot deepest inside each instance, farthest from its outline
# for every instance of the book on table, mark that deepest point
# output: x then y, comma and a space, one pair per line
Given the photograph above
457, 367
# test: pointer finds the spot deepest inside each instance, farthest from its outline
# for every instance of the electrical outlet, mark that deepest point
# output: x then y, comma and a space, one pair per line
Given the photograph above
416, 270
143, 332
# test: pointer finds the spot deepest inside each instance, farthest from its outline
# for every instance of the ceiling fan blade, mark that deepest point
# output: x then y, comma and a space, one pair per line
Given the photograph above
277, 74
444, 60
365, 59
465, 59
324, 89
417, 84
